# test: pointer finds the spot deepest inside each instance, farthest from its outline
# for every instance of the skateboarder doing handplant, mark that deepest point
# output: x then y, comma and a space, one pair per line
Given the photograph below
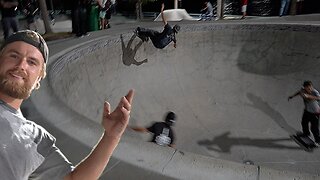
311, 98
159, 39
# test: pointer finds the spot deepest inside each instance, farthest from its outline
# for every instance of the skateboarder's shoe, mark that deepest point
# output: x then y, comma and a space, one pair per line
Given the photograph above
305, 142
143, 38
136, 31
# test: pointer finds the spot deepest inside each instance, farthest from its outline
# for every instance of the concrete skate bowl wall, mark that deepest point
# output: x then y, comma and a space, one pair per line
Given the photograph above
228, 84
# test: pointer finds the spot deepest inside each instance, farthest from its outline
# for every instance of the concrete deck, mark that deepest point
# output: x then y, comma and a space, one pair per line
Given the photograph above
228, 81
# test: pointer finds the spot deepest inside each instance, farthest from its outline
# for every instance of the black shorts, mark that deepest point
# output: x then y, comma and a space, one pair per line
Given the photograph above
108, 14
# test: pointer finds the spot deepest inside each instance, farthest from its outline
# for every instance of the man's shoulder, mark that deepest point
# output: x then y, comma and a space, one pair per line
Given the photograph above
159, 124
316, 92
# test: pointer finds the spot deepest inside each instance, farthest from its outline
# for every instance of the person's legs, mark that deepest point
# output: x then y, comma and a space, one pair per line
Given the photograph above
208, 16
282, 6
305, 123
315, 127
244, 11
146, 32
6, 27
102, 23
300, 7
108, 17
102, 15
286, 9
83, 21
201, 17
77, 22
14, 24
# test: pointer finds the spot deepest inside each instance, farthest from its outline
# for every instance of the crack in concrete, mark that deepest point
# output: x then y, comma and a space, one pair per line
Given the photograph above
109, 169
175, 151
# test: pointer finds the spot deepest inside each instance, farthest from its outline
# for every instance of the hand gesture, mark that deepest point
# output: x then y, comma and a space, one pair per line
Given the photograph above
116, 122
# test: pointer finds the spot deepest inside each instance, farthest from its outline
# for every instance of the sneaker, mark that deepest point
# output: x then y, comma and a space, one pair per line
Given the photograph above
145, 39
136, 31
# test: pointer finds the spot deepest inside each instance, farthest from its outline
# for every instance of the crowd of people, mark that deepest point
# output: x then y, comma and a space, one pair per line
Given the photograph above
83, 12
83, 9
10, 9
208, 12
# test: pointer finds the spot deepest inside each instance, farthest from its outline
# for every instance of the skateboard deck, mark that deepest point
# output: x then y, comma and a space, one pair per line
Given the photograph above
304, 142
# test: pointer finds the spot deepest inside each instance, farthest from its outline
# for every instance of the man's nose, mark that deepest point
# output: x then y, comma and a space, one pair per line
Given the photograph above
22, 63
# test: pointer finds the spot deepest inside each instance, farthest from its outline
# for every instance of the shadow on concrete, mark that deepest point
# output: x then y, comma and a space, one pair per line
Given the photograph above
279, 54
224, 142
128, 53
263, 106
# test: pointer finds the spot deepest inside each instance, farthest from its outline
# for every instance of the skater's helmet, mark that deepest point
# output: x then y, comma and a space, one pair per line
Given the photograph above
170, 118
176, 28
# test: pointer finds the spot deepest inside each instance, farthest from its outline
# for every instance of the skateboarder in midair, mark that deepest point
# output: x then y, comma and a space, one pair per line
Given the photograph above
159, 39
311, 98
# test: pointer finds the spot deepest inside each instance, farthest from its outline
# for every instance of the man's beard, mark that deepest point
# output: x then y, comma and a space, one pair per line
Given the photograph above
15, 89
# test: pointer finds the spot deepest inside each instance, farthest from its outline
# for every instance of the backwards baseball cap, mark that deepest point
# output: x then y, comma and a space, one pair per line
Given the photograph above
170, 118
31, 37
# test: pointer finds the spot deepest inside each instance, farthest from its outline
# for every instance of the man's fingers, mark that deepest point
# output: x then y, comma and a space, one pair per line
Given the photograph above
106, 108
130, 95
124, 103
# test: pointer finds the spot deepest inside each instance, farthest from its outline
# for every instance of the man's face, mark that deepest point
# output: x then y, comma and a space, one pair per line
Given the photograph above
20, 69
309, 89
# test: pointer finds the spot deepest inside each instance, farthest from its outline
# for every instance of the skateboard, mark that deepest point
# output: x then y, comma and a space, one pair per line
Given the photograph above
304, 142
143, 38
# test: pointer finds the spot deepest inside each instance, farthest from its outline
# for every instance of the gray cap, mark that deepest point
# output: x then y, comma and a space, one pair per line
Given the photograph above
31, 37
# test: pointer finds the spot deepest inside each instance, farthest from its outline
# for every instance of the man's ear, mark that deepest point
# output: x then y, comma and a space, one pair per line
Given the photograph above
38, 83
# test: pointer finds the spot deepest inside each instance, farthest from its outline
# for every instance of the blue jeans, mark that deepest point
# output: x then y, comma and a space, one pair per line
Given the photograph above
284, 8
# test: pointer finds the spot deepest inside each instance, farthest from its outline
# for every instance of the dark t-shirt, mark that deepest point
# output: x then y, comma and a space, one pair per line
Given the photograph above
165, 37
9, 12
162, 133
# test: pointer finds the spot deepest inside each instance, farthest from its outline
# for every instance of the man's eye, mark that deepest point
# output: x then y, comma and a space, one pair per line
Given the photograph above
14, 56
32, 62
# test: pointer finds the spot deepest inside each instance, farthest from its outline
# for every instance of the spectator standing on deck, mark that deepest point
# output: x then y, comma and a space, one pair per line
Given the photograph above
244, 8
9, 20
284, 7
206, 12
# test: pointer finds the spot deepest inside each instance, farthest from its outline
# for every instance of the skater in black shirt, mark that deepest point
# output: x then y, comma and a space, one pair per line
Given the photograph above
162, 131
159, 39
